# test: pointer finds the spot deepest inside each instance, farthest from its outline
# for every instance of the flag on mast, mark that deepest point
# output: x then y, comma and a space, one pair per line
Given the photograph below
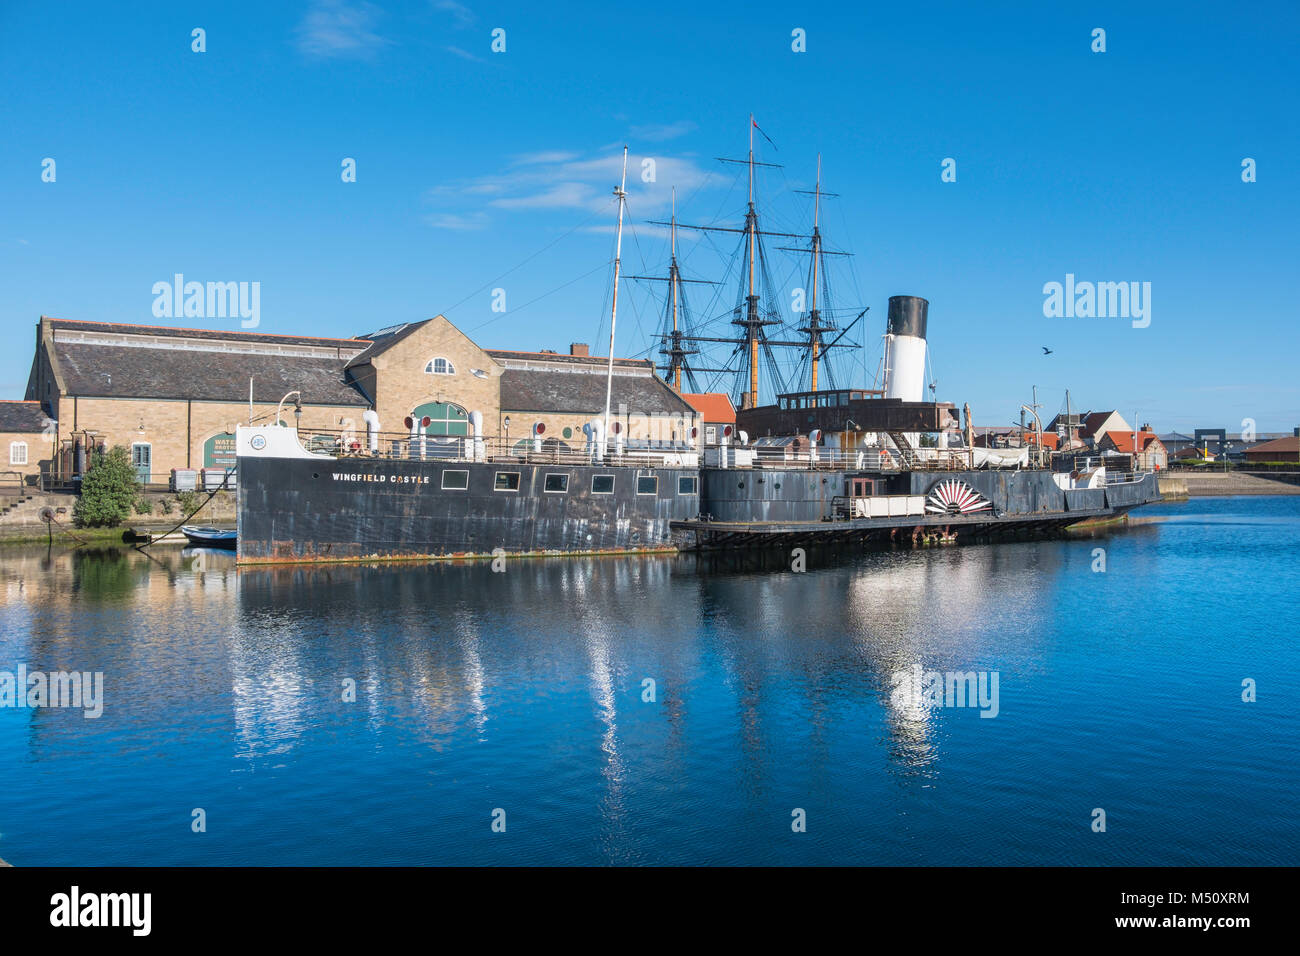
760, 129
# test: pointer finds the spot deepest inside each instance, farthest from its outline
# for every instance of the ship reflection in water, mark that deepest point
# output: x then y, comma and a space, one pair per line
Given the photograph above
586, 621
645, 710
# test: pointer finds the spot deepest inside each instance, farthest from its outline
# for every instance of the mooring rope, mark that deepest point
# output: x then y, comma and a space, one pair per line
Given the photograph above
211, 494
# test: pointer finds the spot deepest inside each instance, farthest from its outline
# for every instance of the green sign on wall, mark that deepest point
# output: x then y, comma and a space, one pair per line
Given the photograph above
219, 451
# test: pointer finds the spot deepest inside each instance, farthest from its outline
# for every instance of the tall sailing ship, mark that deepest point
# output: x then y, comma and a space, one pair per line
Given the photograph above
817, 462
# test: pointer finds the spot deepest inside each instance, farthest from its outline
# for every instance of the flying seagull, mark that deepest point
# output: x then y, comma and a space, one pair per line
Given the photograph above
1046, 350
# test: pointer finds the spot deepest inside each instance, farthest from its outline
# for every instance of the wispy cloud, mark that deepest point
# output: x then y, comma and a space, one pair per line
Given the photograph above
458, 223
464, 15
545, 156
339, 28
559, 196
564, 179
557, 180
659, 132
463, 54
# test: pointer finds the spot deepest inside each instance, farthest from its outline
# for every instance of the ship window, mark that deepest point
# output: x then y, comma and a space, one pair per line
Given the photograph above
686, 485
602, 484
647, 485
455, 480
18, 453
557, 484
440, 366
507, 481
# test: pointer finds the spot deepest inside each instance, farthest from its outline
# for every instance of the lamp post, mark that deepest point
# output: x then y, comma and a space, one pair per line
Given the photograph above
507, 424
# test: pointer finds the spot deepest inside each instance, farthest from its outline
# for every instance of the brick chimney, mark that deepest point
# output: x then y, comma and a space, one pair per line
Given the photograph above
579, 348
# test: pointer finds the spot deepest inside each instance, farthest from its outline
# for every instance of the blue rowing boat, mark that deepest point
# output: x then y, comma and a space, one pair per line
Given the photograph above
206, 537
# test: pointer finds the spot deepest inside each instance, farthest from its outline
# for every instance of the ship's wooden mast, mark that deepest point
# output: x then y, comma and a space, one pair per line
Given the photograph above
751, 309
672, 280
815, 328
751, 337
813, 333
678, 316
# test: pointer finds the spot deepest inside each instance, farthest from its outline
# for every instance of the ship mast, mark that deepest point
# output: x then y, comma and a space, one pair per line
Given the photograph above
676, 323
815, 328
814, 337
621, 193
672, 280
751, 311
752, 341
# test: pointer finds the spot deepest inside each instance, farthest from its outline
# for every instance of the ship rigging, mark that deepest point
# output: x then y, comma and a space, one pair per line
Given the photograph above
755, 326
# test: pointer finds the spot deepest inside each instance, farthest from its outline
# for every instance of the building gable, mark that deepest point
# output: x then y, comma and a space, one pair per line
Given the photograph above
399, 382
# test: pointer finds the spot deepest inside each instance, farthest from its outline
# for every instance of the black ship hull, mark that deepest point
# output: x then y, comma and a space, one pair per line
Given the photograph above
786, 508
350, 509
358, 508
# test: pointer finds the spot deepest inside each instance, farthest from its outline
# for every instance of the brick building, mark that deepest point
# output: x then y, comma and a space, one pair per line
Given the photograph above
173, 396
716, 413
24, 439
1150, 451
1285, 449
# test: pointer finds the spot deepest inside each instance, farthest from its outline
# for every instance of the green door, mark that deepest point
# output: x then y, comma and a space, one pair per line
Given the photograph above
142, 460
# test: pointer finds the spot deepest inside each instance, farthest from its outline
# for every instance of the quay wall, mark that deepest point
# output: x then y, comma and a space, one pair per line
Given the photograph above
1209, 483
21, 518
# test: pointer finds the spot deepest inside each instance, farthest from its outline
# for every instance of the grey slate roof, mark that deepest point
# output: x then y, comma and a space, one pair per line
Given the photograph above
121, 372
582, 390
385, 339
172, 331
22, 417
594, 361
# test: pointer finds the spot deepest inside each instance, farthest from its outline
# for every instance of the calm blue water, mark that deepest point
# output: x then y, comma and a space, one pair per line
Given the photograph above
523, 691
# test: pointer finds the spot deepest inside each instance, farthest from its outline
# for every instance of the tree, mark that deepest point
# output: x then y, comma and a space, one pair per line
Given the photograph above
108, 490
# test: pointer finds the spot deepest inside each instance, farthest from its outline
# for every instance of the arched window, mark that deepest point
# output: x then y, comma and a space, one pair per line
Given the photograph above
440, 366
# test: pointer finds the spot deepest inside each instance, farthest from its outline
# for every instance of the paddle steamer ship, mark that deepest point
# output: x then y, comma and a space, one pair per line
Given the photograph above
820, 463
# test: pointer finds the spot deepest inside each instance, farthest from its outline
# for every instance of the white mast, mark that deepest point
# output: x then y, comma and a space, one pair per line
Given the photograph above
621, 193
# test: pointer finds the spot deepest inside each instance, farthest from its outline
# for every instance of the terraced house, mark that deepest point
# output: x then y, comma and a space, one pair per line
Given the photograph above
173, 396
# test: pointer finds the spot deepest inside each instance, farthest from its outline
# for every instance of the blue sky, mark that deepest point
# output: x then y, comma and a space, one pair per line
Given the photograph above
479, 170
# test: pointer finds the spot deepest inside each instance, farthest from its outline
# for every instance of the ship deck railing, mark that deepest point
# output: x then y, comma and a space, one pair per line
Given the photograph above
1126, 477
648, 453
